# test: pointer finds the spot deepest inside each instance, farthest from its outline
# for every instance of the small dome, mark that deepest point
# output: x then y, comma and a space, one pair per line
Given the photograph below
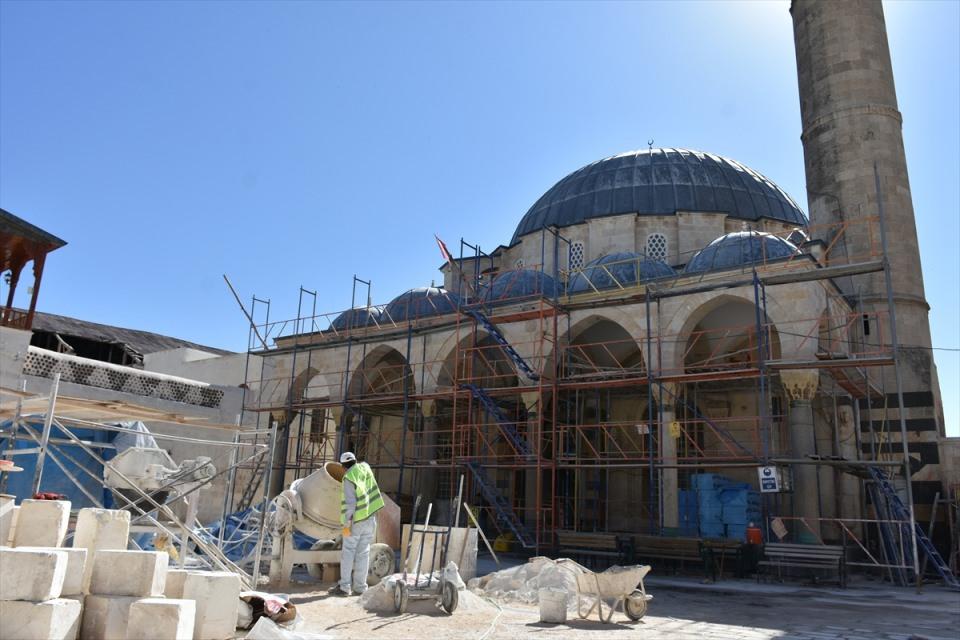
520, 283
738, 249
626, 269
356, 318
420, 303
657, 182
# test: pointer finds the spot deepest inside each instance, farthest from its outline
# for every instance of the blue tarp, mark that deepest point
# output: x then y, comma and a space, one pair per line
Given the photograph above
240, 531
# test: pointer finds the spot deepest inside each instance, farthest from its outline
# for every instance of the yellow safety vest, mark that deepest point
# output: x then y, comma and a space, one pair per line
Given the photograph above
369, 500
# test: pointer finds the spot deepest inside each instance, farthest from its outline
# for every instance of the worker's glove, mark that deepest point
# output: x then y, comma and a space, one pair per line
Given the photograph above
346, 530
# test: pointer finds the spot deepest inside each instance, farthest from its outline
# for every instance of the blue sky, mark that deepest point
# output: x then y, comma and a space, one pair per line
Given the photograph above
290, 144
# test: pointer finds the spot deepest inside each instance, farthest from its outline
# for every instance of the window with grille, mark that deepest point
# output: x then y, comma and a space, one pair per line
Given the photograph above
657, 246
575, 261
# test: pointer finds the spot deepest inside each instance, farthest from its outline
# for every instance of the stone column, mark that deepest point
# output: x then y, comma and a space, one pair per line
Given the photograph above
531, 485
428, 451
850, 505
800, 386
670, 494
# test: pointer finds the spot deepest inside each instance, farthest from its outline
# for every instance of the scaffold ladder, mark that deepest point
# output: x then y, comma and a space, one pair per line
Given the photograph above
505, 514
923, 542
507, 426
494, 332
251, 489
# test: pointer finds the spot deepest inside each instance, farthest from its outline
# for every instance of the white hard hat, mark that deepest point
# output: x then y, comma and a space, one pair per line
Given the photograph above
347, 456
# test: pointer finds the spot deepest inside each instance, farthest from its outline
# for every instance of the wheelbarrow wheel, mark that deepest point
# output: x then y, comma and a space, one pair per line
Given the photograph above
401, 594
635, 606
449, 597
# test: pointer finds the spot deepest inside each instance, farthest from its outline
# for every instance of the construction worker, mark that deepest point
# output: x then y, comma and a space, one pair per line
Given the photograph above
359, 502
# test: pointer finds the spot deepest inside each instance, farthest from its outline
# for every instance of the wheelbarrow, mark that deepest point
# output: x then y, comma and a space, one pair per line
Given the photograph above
618, 585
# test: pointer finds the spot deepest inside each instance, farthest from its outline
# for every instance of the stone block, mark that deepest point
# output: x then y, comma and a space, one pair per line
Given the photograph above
31, 574
8, 507
129, 573
73, 583
102, 529
13, 527
105, 617
161, 619
57, 619
174, 586
217, 594
41, 523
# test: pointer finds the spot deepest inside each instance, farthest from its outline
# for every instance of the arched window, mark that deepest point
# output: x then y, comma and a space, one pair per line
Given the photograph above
576, 258
657, 247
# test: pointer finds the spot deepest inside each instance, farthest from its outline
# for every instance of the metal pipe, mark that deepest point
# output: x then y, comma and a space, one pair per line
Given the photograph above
45, 438
96, 501
263, 512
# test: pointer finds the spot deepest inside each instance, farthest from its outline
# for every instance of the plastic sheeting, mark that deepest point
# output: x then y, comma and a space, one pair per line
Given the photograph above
141, 439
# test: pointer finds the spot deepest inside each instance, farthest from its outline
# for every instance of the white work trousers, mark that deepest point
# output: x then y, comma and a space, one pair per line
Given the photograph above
355, 558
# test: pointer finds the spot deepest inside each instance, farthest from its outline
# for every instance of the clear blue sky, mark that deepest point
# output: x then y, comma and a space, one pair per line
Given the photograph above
301, 143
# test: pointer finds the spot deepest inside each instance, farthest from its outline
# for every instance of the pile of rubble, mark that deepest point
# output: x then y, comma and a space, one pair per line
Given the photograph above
97, 589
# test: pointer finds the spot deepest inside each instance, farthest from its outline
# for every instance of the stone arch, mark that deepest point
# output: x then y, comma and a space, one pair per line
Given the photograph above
381, 371
794, 315
483, 363
725, 337
600, 345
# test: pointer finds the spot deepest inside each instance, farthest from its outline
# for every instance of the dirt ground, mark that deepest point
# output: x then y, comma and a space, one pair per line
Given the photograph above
675, 613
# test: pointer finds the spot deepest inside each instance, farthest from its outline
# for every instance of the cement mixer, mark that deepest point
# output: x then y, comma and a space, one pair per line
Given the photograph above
312, 506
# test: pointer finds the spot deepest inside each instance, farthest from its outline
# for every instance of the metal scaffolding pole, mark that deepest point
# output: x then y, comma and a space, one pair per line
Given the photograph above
45, 438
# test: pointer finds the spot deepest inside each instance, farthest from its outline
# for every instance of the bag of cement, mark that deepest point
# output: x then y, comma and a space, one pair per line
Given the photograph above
452, 574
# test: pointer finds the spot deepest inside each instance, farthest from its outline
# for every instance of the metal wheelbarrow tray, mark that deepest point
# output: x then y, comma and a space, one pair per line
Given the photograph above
616, 584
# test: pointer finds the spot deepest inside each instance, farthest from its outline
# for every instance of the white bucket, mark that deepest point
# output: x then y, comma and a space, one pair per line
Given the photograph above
553, 605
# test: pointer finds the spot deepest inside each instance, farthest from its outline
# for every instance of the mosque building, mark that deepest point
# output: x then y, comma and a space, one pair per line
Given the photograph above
661, 321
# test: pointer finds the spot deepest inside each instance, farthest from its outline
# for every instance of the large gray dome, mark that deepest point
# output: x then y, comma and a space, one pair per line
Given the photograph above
660, 182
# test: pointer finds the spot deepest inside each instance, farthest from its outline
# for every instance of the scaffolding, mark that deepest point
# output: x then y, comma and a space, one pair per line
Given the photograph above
155, 510
537, 424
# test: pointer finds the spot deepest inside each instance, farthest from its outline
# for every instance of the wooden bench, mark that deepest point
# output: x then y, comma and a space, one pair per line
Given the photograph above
595, 545
675, 550
808, 556
715, 552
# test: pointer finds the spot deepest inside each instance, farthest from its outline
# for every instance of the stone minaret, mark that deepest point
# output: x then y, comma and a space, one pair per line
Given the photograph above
848, 106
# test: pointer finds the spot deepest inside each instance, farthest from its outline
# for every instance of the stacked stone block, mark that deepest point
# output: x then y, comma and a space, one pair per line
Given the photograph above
30, 604
217, 594
97, 530
119, 579
41, 523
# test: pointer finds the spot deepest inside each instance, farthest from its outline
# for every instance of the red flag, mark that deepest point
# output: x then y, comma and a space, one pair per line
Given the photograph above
443, 249
454, 266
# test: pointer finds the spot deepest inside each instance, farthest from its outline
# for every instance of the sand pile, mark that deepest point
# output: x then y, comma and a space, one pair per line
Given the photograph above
523, 583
